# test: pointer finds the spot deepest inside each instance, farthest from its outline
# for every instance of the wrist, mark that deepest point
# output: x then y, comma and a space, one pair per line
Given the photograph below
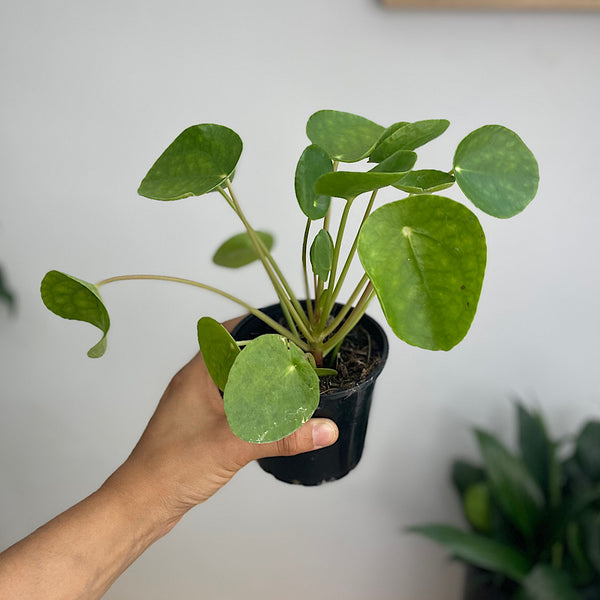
143, 504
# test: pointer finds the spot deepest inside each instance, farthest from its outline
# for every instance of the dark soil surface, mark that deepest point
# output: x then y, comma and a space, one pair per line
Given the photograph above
358, 356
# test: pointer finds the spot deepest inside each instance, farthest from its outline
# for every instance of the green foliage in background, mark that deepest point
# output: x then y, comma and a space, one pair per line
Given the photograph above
533, 515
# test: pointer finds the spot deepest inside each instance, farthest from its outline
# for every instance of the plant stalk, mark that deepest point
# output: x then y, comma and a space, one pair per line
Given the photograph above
336, 256
232, 201
277, 279
257, 313
309, 306
344, 311
351, 321
352, 252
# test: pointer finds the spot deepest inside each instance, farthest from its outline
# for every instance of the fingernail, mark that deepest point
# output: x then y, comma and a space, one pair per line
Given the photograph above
323, 434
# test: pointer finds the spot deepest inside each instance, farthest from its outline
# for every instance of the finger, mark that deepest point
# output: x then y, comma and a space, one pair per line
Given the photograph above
315, 434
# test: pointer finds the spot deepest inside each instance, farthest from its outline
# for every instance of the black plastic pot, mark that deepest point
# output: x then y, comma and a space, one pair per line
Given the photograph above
348, 408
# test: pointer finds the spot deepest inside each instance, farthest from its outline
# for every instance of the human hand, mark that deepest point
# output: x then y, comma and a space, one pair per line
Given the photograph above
185, 455
188, 452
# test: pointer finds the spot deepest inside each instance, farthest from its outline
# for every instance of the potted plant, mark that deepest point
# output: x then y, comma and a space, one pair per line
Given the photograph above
423, 256
534, 515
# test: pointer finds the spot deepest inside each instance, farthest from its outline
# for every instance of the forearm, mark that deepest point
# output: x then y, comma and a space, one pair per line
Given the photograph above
80, 553
186, 454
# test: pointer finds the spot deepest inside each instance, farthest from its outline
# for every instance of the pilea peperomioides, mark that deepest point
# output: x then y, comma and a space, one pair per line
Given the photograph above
423, 255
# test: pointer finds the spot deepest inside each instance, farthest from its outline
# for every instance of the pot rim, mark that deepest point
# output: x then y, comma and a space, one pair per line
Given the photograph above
366, 320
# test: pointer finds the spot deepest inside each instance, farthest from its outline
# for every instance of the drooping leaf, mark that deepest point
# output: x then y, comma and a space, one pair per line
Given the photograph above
201, 158
536, 448
349, 184
547, 583
408, 137
478, 550
344, 136
72, 298
313, 163
218, 348
425, 256
425, 182
399, 162
513, 488
496, 171
321, 254
5, 293
466, 474
239, 251
271, 391
587, 450
477, 507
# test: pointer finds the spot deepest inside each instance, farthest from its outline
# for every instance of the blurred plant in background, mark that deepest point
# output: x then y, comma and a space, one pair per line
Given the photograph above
534, 515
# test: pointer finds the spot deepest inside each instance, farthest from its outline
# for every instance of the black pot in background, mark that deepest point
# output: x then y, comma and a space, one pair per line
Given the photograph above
480, 585
348, 408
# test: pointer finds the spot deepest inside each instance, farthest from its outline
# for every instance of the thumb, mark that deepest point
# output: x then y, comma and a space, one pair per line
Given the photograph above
314, 434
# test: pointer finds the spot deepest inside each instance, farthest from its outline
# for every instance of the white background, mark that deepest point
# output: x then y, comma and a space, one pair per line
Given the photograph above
92, 92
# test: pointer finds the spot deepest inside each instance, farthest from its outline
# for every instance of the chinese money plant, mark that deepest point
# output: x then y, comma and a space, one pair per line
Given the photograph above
423, 255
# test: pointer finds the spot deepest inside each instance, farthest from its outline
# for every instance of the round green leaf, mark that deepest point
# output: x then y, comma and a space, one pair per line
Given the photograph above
399, 162
496, 171
425, 256
271, 391
200, 159
349, 184
218, 348
239, 251
313, 163
425, 181
344, 136
72, 298
408, 137
321, 254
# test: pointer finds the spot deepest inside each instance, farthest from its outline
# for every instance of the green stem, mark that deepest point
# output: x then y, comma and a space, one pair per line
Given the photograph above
342, 314
229, 200
305, 269
288, 318
281, 286
352, 252
232, 201
336, 256
351, 321
291, 295
257, 313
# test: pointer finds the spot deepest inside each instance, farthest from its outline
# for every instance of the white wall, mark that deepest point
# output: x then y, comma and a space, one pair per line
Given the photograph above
92, 92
